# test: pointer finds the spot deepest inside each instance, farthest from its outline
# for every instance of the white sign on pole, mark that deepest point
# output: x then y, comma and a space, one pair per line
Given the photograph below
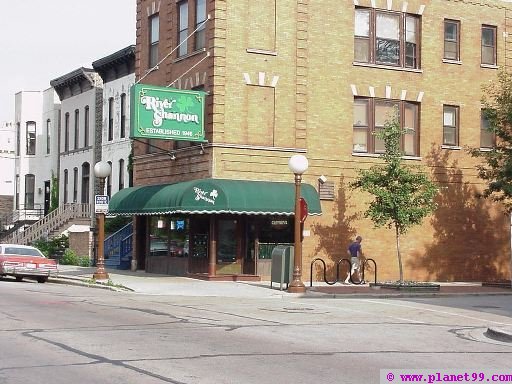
101, 203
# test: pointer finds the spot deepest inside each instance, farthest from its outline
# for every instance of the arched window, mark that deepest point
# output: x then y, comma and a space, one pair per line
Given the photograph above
123, 116
66, 181
86, 169
86, 126
75, 185
121, 174
110, 119
109, 181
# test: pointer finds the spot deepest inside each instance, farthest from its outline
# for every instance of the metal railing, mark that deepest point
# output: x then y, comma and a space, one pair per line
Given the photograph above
51, 222
19, 217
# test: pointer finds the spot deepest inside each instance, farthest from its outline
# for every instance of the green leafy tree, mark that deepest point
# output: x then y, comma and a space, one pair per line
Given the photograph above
496, 166
402, 195
54, 193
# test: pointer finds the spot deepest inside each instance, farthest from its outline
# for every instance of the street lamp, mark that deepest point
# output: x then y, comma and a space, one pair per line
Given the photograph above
101, 170
298, 164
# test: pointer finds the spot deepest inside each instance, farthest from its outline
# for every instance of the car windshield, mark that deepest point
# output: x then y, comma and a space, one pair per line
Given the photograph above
22, 251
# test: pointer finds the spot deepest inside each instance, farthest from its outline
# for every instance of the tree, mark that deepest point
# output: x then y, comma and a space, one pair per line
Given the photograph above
496, 166
403, 195
54, 193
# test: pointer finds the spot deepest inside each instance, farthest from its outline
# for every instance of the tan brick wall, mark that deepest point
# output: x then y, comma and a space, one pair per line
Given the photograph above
300, 97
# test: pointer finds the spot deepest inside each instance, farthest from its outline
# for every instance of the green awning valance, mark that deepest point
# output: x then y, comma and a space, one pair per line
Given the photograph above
212, 196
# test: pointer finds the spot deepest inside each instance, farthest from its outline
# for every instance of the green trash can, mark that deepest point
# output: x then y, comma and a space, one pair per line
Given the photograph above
281, 269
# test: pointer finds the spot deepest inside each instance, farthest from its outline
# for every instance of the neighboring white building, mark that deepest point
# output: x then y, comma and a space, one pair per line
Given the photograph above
7, 148
118, 73
28, 112
36, 121
81, 95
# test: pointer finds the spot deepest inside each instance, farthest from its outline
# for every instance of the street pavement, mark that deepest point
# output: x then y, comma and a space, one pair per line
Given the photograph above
140, 282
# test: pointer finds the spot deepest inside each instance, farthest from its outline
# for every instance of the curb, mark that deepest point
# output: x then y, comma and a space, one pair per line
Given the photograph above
85, 283
500, 334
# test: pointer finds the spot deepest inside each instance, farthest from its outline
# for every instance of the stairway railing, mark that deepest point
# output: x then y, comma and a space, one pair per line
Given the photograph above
54, 220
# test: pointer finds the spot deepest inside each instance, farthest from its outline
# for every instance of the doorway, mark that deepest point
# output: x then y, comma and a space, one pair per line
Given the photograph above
47, 197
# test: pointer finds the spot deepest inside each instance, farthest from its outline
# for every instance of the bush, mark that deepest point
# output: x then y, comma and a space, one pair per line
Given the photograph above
84, 261
70, 258
50, 247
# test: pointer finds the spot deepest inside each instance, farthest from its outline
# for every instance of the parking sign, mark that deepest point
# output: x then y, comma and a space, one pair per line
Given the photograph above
101, 203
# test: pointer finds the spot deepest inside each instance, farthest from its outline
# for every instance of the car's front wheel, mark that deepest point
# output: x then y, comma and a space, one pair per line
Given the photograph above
42, 280
18, 278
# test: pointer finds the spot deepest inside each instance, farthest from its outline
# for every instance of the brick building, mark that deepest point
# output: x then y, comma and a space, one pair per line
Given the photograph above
317, 78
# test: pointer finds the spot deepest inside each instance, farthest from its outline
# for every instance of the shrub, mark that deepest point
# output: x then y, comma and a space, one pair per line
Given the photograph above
84, 261
70, 257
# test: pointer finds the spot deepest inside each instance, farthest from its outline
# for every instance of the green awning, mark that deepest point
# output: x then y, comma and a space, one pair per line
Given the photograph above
213, 196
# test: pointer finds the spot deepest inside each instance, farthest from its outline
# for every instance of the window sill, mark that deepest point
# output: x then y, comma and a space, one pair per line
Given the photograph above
261, 51
377, 155
184, 57
485, 149
489, 66
402, 69
452, 147
449, 61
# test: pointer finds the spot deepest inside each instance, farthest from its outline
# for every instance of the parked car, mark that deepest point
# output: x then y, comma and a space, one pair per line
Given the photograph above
22, 261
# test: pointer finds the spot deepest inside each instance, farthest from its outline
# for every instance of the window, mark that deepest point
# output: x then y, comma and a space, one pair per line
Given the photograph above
370, 116
30, 186
386, 38
86, 126
182, 28
452, 40
66, 181
200, 42
31, 138
488, 45
450, 125
110, 119
123, 116
77, 128
487, 137
154, 38
109, 181
48, 136
66, 132
75, 185
18, 139
121, 174
17, 198
85, 182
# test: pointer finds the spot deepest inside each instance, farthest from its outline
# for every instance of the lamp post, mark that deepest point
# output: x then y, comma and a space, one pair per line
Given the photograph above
101, 170
298, 164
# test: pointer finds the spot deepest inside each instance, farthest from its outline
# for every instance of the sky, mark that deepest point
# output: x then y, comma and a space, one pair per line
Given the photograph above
42, 40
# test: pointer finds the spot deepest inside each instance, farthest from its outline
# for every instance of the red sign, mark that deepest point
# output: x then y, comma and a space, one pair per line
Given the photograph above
303, 210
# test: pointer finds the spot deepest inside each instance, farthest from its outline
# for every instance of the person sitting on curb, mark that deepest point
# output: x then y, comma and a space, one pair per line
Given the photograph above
355, 252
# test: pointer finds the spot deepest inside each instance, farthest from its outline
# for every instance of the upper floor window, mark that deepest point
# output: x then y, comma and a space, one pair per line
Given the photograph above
66, 132
489, 45
182, 27
18, 139
370, 116
450, 125
386, 38
487, 136
154, 38
122, 134
48, 136
86, 126
109, 181
31, 138
110, 119
200, 41
77, 129
452, 40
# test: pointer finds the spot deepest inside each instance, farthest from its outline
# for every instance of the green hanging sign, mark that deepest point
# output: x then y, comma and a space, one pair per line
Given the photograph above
166, 113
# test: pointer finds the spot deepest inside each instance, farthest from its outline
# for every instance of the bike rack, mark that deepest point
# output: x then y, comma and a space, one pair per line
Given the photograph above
344, 260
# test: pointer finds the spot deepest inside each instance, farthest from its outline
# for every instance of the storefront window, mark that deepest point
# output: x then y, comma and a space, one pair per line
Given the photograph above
227, 241
168, 237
